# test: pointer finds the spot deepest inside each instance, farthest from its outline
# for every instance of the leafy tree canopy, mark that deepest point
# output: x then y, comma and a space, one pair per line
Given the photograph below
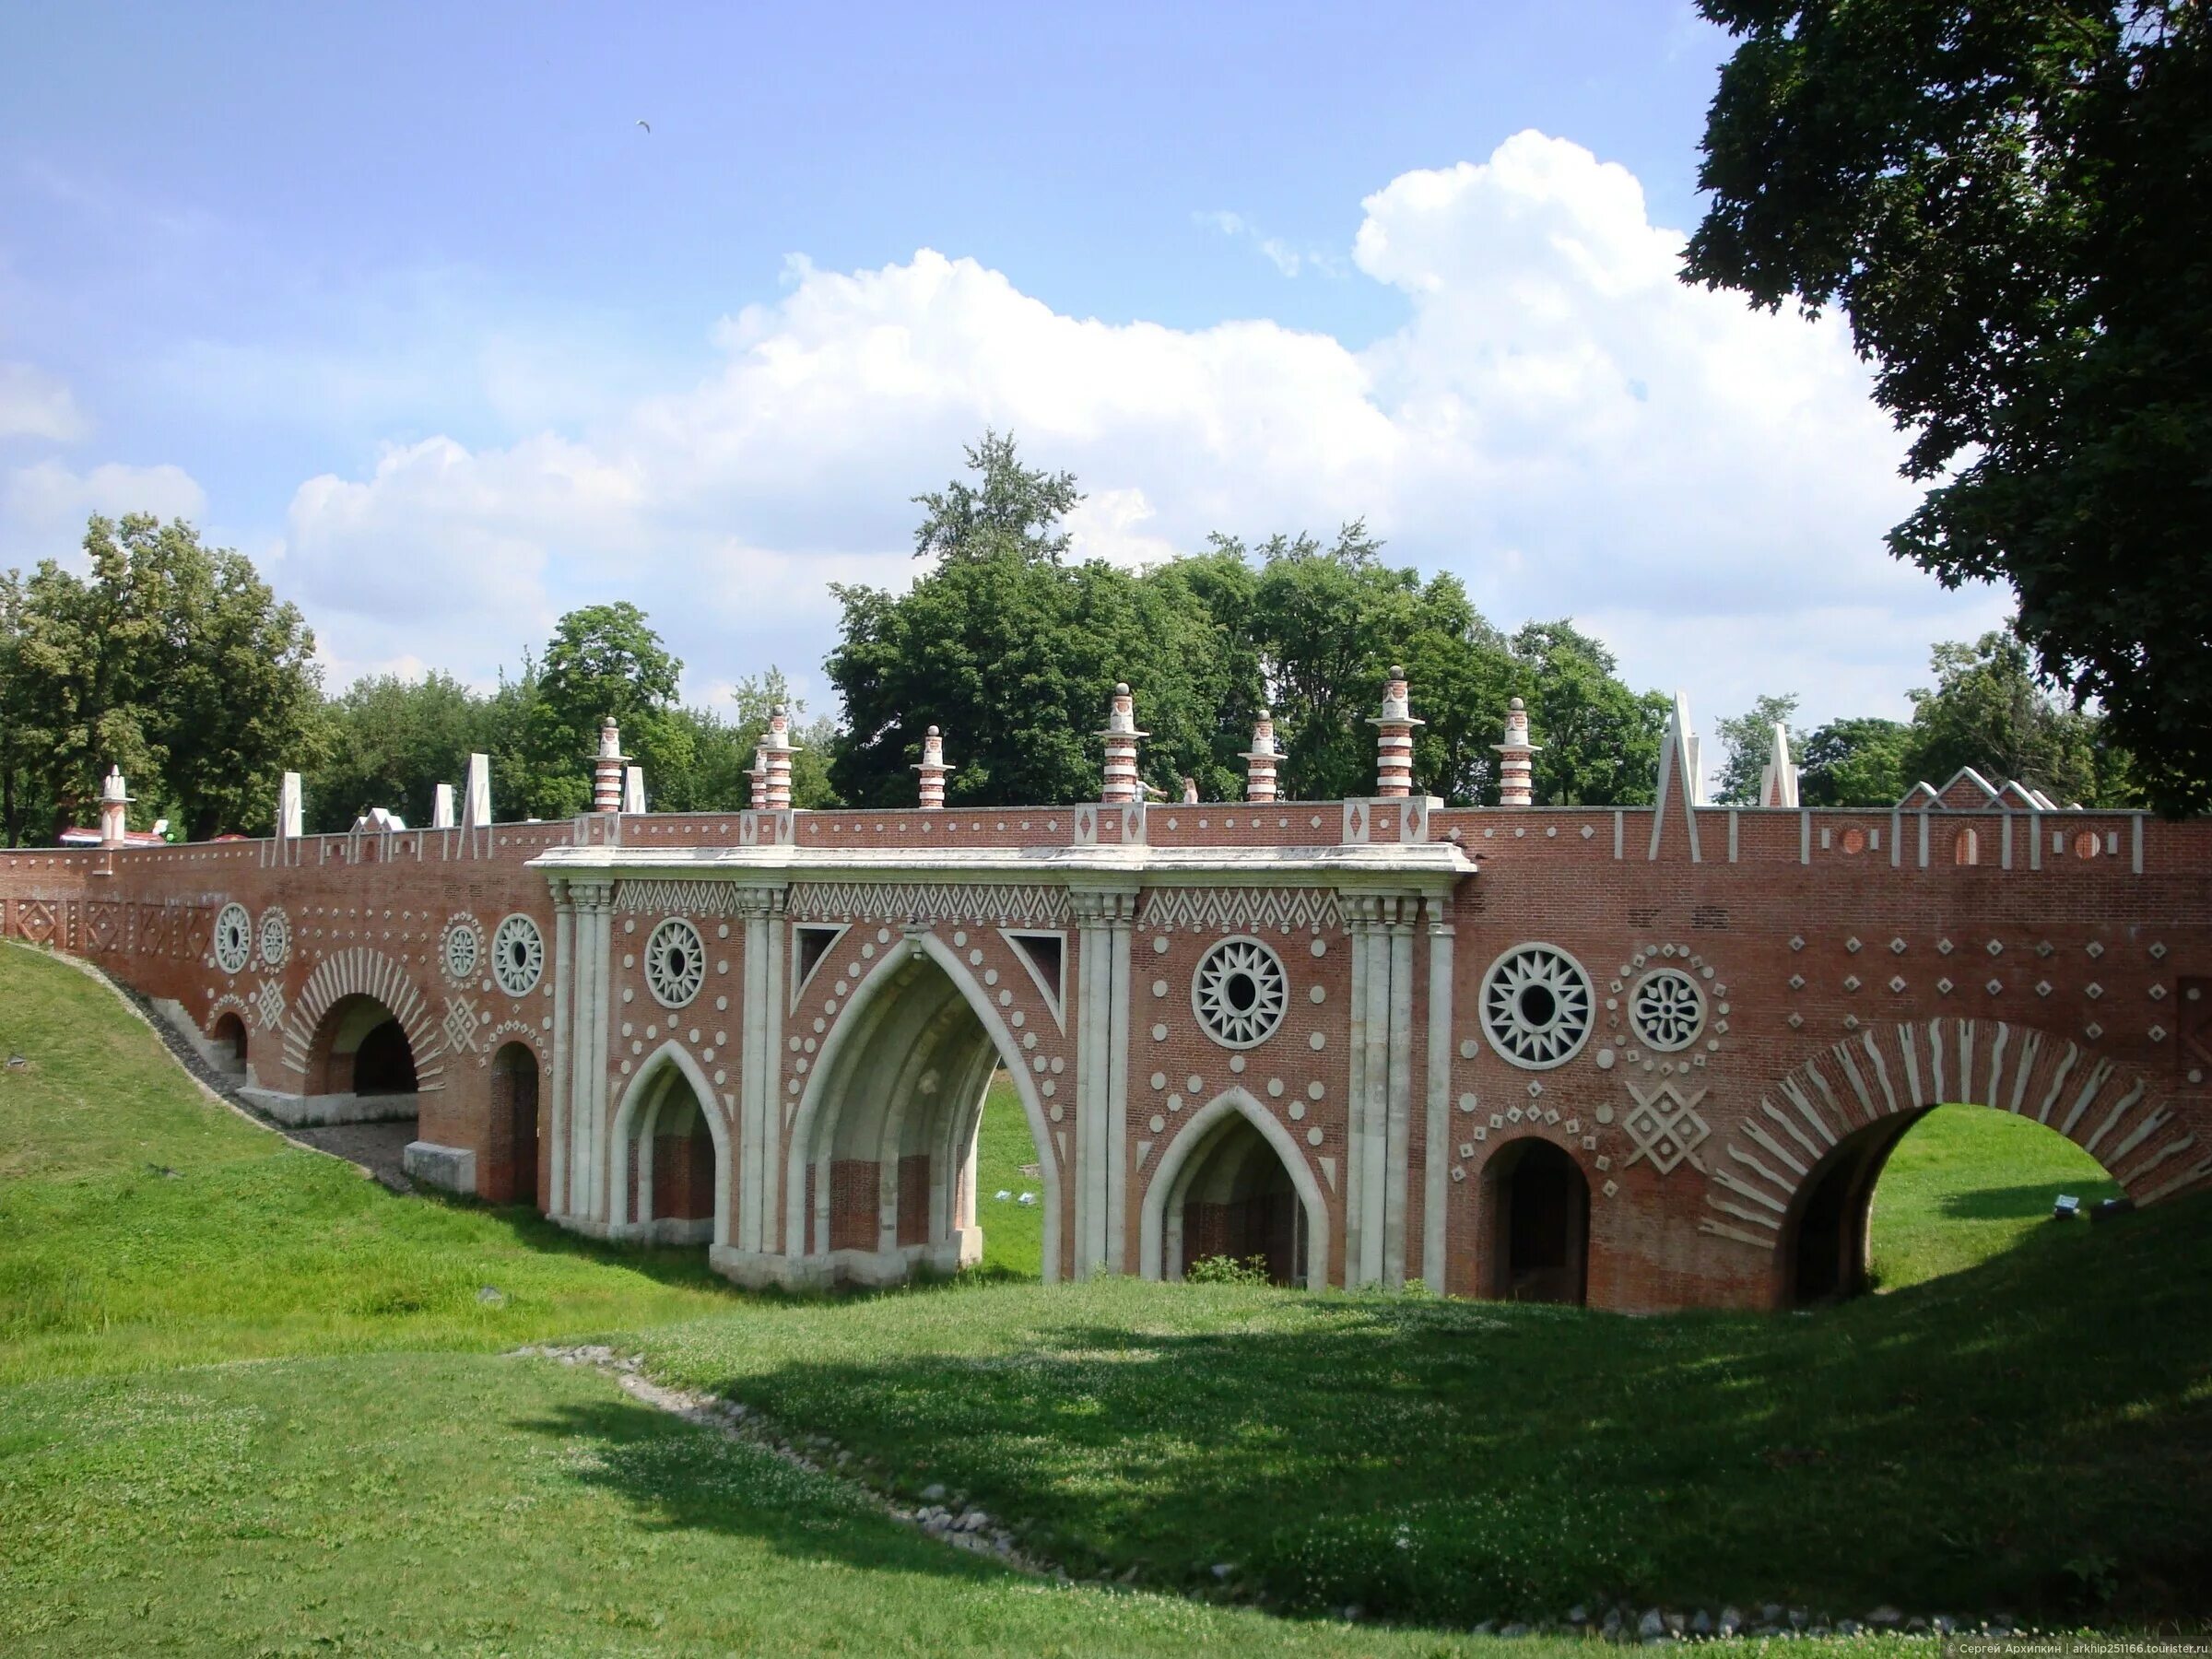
2012, 204
1748, 740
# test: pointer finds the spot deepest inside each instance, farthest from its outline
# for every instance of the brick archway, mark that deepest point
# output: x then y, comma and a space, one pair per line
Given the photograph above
1888, 1074
361, 971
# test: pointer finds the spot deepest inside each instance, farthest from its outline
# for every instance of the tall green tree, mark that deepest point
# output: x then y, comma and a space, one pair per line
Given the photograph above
1014, 652
169, 659
1855, 762
392, 742
2012, 204
1990, 710
603, 660
1748, 740
1598, 742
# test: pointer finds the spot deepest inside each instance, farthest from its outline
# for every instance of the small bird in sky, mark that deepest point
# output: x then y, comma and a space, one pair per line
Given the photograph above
646, 125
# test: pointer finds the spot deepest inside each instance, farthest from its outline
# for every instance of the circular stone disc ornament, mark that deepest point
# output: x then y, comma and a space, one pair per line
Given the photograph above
1537, 1006
1667, 1010
675, 963
518, 955
462, 948
234, 938
1239, 991
275, 936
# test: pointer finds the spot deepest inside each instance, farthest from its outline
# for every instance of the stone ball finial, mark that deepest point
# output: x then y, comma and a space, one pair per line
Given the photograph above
1121, 688
933, 732
1516, 705
1397, 671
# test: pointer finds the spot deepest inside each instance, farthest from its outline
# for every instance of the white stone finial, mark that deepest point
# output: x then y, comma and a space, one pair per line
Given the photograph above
633, 789
1260, 758
291, 814
114, 810
1120, 734
475, 793
1394, 737
441, 806
1778, 778
1516, 776
933, 770
606, 769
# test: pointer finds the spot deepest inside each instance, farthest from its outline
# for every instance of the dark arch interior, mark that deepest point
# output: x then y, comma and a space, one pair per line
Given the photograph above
519, 1174
1540, 1224
230, 1038
385, 1064
672, 1162
1239, 1201
1824, 1237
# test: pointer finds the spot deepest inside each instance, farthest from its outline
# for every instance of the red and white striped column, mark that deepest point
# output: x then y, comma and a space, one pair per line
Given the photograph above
1120, 734
933, 770
777, 749
114, 810
1260, 758
606, 769
1516, 777
1393, 738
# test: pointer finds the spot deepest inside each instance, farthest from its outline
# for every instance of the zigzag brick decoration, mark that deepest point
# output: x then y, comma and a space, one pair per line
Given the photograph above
1003, 904
1211, 909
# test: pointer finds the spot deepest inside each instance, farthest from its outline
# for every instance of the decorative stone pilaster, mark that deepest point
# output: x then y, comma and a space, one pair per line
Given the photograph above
1778, 778
1515, 775
606, 769
933, 770
476, 796
290, 808
441, 806
776, 750
114, 810
633, 790
1393, 738
1120, 736
1260, 758
1104, 919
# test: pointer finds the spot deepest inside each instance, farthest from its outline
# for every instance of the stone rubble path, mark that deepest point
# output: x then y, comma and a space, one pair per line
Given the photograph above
966, 1527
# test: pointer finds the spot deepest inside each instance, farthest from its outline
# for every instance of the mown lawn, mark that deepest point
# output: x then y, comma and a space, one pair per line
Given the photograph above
1006, 1161
362, 1472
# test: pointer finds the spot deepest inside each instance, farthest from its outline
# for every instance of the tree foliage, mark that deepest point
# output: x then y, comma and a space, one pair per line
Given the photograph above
169, 659
2012, 204
1747, 740
1861, 761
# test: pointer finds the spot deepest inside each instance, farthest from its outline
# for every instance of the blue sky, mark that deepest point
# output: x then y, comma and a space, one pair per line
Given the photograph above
402, 302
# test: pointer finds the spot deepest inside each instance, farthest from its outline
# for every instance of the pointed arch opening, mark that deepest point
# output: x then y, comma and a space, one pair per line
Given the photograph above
880, 1181
1232, 1183
668, 1173
1536, 1201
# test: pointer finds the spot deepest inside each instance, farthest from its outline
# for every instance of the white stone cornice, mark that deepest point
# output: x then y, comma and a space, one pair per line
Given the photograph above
1423, 866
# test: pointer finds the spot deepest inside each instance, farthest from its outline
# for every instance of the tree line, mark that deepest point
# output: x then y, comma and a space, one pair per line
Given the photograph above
177, 662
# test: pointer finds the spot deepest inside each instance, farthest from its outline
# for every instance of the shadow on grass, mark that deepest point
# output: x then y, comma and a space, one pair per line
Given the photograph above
2022, 1203
2033, 1436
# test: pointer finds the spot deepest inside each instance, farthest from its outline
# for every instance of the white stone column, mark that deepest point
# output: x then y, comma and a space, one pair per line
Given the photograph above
1119, 928
1354, 1094
1398, 1110
1436, 1185
557, 1093
754, 1107
1375, 1045
594, 905
1103, 918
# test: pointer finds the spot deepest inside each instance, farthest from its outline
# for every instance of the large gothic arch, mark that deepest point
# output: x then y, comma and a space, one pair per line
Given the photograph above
887, 1019
1892, 1073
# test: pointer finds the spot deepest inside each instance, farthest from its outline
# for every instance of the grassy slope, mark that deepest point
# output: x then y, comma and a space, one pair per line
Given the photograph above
1968, 1184
2021, 1435
395, 1497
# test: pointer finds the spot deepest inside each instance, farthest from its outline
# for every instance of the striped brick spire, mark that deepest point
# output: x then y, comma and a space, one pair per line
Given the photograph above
933, 770
114, 810
1260, 758
606, 769
1120, 734
756, 780
777, 749
1393, 738
1515, 776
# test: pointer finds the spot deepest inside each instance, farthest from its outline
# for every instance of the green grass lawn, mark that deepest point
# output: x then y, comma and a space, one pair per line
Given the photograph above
256, 1406
1006, 1161
1968, 1184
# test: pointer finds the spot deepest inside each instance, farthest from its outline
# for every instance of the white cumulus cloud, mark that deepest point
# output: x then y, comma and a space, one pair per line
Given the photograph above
1557, 419
35, 405
43, 506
